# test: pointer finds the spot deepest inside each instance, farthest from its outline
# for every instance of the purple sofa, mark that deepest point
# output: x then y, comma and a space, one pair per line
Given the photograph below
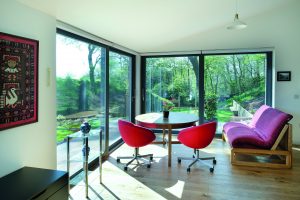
262, 132
261, 136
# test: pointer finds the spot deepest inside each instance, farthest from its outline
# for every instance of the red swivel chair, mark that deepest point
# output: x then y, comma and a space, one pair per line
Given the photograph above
198, 137
135, 136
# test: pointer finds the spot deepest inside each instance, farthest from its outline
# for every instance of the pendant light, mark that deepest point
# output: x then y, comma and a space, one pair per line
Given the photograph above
237, 23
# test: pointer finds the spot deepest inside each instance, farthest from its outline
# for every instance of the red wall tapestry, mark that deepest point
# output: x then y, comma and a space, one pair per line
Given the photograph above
18, 81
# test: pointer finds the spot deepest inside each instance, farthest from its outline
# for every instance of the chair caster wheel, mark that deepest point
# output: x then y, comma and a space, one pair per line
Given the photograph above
214, 161
125, 168
148, 166
188, 170
151, 158
179, 160
211, 170
118, 160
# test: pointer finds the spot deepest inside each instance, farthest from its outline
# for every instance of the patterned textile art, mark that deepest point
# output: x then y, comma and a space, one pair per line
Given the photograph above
18, 81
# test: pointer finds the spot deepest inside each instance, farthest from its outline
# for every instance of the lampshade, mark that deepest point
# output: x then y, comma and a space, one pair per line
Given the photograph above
237, 24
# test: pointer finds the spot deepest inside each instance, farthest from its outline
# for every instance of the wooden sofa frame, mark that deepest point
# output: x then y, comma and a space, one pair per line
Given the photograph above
281, 148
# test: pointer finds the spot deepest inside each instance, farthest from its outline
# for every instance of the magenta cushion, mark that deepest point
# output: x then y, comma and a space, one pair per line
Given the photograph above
262, 132
230, 125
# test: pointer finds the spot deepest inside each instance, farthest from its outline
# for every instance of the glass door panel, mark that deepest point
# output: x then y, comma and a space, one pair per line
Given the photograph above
235, 86
173, 81
119, 92
80, 94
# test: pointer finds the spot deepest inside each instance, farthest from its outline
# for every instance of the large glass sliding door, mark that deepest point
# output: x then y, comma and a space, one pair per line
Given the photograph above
172, 80
119, 92
80, 94
235, 86
222, 87
88, 74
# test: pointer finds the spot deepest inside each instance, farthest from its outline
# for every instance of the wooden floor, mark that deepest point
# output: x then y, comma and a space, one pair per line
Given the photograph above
161, 182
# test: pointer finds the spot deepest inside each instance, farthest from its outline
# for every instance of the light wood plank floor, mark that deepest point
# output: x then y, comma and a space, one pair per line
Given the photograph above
161, 182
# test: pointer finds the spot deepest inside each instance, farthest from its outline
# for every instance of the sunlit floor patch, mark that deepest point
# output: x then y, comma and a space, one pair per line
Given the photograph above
117, 184
176, 189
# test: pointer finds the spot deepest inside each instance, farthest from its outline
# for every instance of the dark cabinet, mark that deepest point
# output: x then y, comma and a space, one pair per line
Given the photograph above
34, 183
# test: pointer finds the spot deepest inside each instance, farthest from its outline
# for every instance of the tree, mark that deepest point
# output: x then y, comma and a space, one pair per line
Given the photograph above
67, 95
195, 63
96, 53
119, 84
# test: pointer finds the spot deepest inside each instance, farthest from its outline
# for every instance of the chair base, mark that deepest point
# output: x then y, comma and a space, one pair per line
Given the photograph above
136, 156
196, 158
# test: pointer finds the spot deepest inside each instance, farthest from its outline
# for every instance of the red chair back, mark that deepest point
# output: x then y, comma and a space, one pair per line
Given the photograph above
198, 137
134, 135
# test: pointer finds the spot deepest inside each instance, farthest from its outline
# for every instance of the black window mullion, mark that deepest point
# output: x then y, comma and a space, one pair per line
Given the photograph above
107, 100
133, 87
269, 73
201, 90
143, 85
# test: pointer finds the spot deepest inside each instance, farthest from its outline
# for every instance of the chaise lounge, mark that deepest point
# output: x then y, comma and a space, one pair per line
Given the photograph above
268, 136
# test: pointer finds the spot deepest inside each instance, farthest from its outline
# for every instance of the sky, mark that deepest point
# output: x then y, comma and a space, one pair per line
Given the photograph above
70, 58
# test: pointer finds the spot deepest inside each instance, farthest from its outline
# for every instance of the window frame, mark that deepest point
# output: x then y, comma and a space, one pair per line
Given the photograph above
108, 149
201, 92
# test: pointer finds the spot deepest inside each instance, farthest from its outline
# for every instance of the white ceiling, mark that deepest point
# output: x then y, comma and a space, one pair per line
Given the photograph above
146, 25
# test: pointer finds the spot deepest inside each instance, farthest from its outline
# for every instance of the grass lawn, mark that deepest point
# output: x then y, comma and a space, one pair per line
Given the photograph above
61, 134
185, 110
222, 115
72, 126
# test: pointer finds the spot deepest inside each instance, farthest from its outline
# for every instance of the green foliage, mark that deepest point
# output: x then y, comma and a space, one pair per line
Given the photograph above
210, 106
248, 96
67, 97
66, 126
95, 123
191, 110
118, 84
166, 103
180, 86
77, 97
231, 75
61, 134
171, 77
224, 115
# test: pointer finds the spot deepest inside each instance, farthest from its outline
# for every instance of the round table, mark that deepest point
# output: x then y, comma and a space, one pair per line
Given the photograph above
175, 120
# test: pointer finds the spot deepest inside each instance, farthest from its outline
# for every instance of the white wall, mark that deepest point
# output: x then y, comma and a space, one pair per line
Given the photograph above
33, 144
279, 29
